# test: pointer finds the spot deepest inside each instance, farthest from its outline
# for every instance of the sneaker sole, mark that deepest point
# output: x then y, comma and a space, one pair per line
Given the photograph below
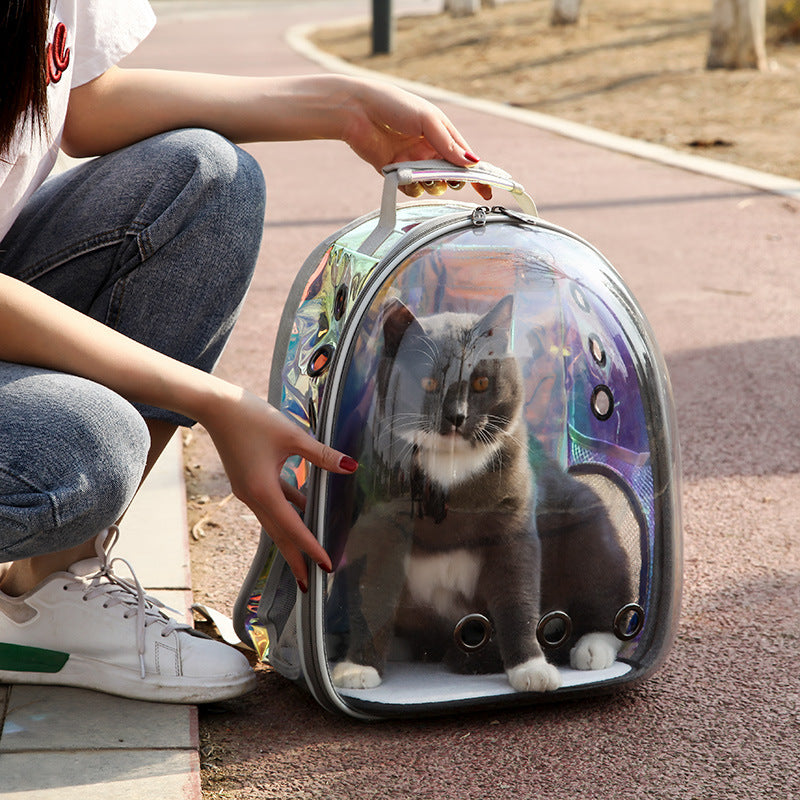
84, 673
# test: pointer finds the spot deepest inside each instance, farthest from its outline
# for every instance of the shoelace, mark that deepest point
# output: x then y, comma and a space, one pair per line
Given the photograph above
105, 582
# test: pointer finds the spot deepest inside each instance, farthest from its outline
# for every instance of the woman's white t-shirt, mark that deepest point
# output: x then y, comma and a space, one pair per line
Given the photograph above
85, 38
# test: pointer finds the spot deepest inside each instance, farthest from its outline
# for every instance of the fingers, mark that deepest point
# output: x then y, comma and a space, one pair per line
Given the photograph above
484, 190
434, 188
412, 189
293, 539
325, 457
445, 139
282, 521
437, 188
293, 495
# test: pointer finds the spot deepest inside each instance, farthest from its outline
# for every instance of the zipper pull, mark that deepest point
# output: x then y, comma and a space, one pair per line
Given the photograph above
479, 216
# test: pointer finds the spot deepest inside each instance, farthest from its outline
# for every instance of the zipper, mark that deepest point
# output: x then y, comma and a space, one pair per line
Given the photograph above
516, 216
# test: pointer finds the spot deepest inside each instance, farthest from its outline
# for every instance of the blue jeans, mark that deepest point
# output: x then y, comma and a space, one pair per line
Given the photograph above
158, 241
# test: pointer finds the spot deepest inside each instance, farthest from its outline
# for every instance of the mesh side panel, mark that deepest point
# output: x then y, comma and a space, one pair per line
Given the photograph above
640, 481
275, 613
622, 515
640, 478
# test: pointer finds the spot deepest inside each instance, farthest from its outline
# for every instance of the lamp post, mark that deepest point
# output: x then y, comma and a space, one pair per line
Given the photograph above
382, 27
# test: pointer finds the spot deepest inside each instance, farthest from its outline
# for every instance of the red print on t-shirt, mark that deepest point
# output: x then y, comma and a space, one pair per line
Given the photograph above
57, 54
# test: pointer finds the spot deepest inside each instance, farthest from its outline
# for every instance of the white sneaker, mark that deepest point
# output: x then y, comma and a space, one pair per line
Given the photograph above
90, 628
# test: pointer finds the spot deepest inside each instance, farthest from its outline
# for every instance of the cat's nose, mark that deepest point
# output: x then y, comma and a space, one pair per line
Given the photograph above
456, 420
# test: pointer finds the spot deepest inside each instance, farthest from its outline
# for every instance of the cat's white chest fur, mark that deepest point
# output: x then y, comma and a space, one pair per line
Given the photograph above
443, 581
451, 461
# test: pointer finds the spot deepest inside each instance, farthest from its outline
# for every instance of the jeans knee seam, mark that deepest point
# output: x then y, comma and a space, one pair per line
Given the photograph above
145, 244
96, 242
115, 302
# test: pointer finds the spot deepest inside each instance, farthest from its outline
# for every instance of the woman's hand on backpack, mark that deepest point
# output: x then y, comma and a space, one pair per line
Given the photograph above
254, 440
389, 125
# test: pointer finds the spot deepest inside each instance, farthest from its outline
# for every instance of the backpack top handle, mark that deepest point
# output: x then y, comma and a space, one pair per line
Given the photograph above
408, 172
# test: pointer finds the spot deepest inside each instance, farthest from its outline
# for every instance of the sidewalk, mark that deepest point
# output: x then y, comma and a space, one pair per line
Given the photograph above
72, 744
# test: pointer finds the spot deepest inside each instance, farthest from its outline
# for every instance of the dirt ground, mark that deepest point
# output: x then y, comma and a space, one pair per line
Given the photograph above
632, 68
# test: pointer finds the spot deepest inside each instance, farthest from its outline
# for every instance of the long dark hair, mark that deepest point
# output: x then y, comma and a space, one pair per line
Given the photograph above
23, 67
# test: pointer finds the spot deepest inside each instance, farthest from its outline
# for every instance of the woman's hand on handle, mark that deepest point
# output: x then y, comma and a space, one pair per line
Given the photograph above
389, 125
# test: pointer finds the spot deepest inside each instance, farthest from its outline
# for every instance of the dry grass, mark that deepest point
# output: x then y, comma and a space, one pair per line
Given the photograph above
631, 67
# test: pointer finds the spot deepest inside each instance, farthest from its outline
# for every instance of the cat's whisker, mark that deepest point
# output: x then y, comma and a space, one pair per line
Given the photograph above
404, 453
428, 349
407, 423
404, 417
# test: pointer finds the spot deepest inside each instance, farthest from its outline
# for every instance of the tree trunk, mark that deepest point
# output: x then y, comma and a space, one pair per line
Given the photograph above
462, 8
565, 12
737, 35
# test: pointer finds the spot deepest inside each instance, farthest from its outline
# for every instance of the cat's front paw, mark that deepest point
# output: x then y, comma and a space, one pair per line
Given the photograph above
535, 675
347, 675
595, 651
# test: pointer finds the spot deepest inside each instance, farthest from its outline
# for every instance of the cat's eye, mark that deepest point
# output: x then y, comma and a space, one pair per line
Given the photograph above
429, 384
480, 384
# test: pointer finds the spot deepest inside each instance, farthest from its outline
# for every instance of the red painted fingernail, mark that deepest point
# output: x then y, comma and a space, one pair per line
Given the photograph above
303, 587
325, 569
348, 464
471, 157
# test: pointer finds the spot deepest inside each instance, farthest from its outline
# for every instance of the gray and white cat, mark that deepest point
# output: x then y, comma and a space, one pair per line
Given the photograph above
450, 412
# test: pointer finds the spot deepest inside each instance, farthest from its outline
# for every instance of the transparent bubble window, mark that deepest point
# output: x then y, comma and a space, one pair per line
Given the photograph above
501, 399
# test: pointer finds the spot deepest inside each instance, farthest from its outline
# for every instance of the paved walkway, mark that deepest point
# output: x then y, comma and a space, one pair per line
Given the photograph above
73, 744
714, 264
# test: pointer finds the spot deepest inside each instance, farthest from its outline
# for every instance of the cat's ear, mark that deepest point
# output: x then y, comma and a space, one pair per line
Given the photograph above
496, 323
397, 319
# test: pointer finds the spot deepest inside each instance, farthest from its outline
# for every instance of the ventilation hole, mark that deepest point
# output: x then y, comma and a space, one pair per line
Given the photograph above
472, 632
596, 349
340, 302
580, 300
602, 402
628, 621
554, 629
320, 359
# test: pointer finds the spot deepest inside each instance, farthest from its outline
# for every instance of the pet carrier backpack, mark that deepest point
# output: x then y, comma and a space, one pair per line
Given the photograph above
512, 533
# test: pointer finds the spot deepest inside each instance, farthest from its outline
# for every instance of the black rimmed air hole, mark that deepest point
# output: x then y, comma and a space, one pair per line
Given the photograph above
602, 402
472, 632
320, 359
597, 351
628, 621
554, 629
340, 302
